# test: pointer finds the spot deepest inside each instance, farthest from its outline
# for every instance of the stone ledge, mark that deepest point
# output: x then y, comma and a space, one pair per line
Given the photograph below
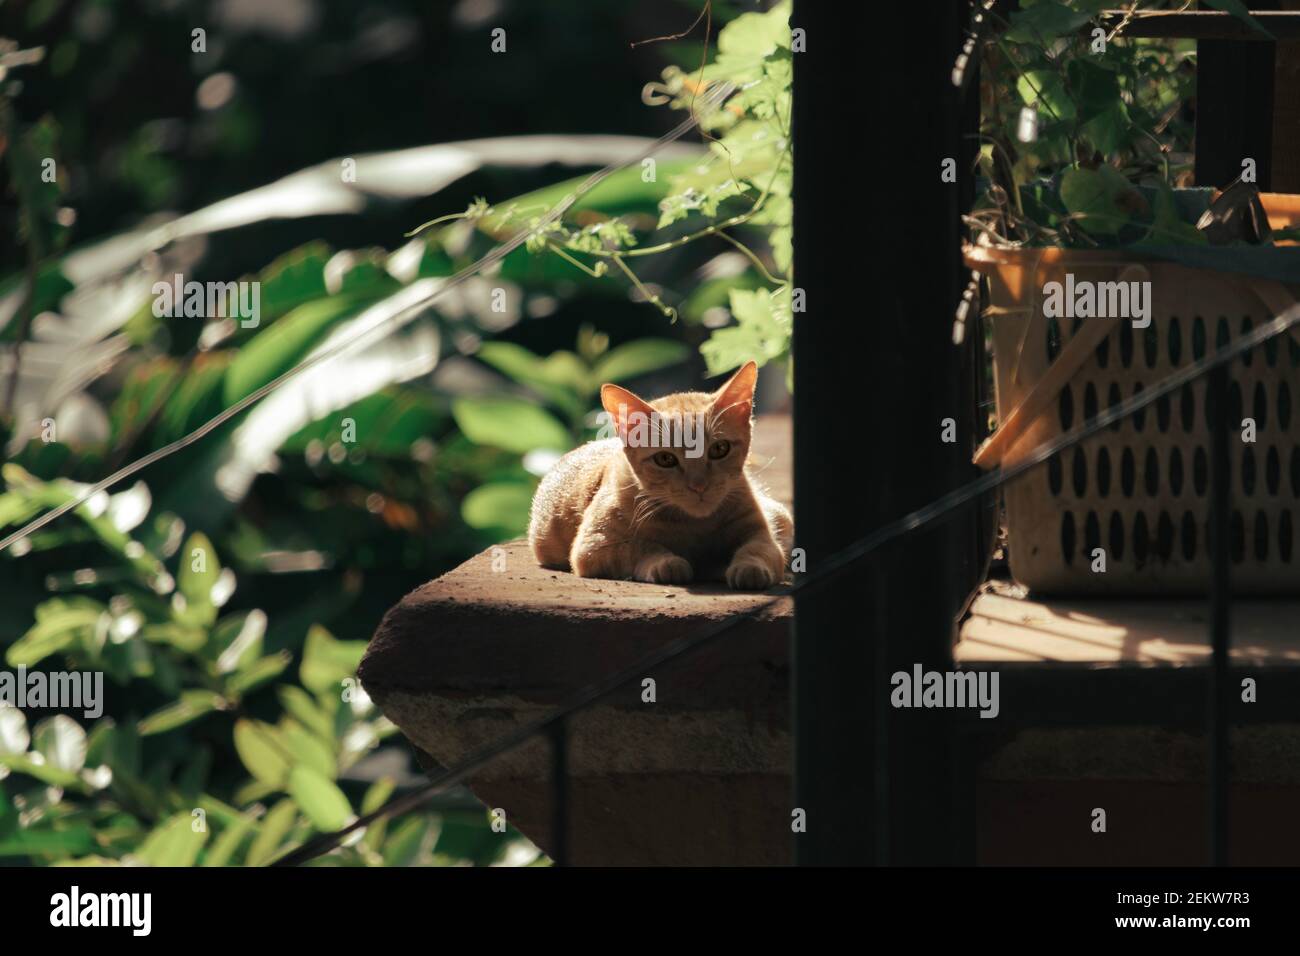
539, 635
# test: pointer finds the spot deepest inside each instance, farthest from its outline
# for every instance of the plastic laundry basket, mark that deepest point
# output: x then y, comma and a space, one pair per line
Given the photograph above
1140, 489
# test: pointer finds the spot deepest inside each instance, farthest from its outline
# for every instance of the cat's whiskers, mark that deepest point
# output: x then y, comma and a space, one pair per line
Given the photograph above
639, 504
645, 508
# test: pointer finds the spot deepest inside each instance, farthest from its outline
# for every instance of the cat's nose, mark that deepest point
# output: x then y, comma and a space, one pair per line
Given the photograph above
697, 486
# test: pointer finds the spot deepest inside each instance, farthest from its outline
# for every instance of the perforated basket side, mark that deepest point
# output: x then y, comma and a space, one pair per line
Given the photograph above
1139, 491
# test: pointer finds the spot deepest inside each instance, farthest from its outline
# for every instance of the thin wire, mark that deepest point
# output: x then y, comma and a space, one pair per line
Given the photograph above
711, 100
829, 570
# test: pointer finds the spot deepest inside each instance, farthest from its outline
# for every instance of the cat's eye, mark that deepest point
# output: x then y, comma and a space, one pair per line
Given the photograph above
719, 449
665, 459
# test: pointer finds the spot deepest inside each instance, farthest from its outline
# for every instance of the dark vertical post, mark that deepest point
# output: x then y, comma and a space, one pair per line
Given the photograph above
1220, 600
877, 253
1285, 177
560, 792
1234, 108
834, 671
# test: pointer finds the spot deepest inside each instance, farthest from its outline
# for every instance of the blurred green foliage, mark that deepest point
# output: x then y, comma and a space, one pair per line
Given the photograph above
1073, 115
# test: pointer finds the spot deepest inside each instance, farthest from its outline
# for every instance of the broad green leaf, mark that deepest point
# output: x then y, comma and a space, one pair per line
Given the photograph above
226, 845
1169, 227
192, 705
183, 637
511, 424
781, 239
270, 835
761, 333
147, 387
254, 675
279, 347
199, 569
293, 279
500, 505
1095, 196
464, 837
1047, 89
55, 777
746, 43
1093, 88
218, 810
319, 799
251, 791
175, 843
197, 398
300, 705
308, 750
59, 624
561, 378
561, 368
16, 507
263, 752
638, 358
326, 661
376, 796
73, 841
1108, 131
115, 745
404, 842
388, 423
715, 293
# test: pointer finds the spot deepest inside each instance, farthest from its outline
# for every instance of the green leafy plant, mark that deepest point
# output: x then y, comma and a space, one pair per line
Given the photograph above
147, 789
1084, 131
743, 182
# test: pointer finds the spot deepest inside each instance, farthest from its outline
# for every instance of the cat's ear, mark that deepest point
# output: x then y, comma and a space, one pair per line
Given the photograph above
734, 402
624, 407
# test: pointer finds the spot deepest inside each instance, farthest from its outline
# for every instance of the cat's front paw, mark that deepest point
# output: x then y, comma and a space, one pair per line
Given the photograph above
751, 573
664, 569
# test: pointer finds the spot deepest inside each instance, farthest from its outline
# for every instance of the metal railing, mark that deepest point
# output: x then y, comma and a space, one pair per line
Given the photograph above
555, 726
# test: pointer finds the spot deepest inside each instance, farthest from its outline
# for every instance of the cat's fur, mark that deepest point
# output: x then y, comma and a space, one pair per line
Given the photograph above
607, 510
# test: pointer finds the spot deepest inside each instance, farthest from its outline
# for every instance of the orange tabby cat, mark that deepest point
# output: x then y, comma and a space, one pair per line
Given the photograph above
667, 500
